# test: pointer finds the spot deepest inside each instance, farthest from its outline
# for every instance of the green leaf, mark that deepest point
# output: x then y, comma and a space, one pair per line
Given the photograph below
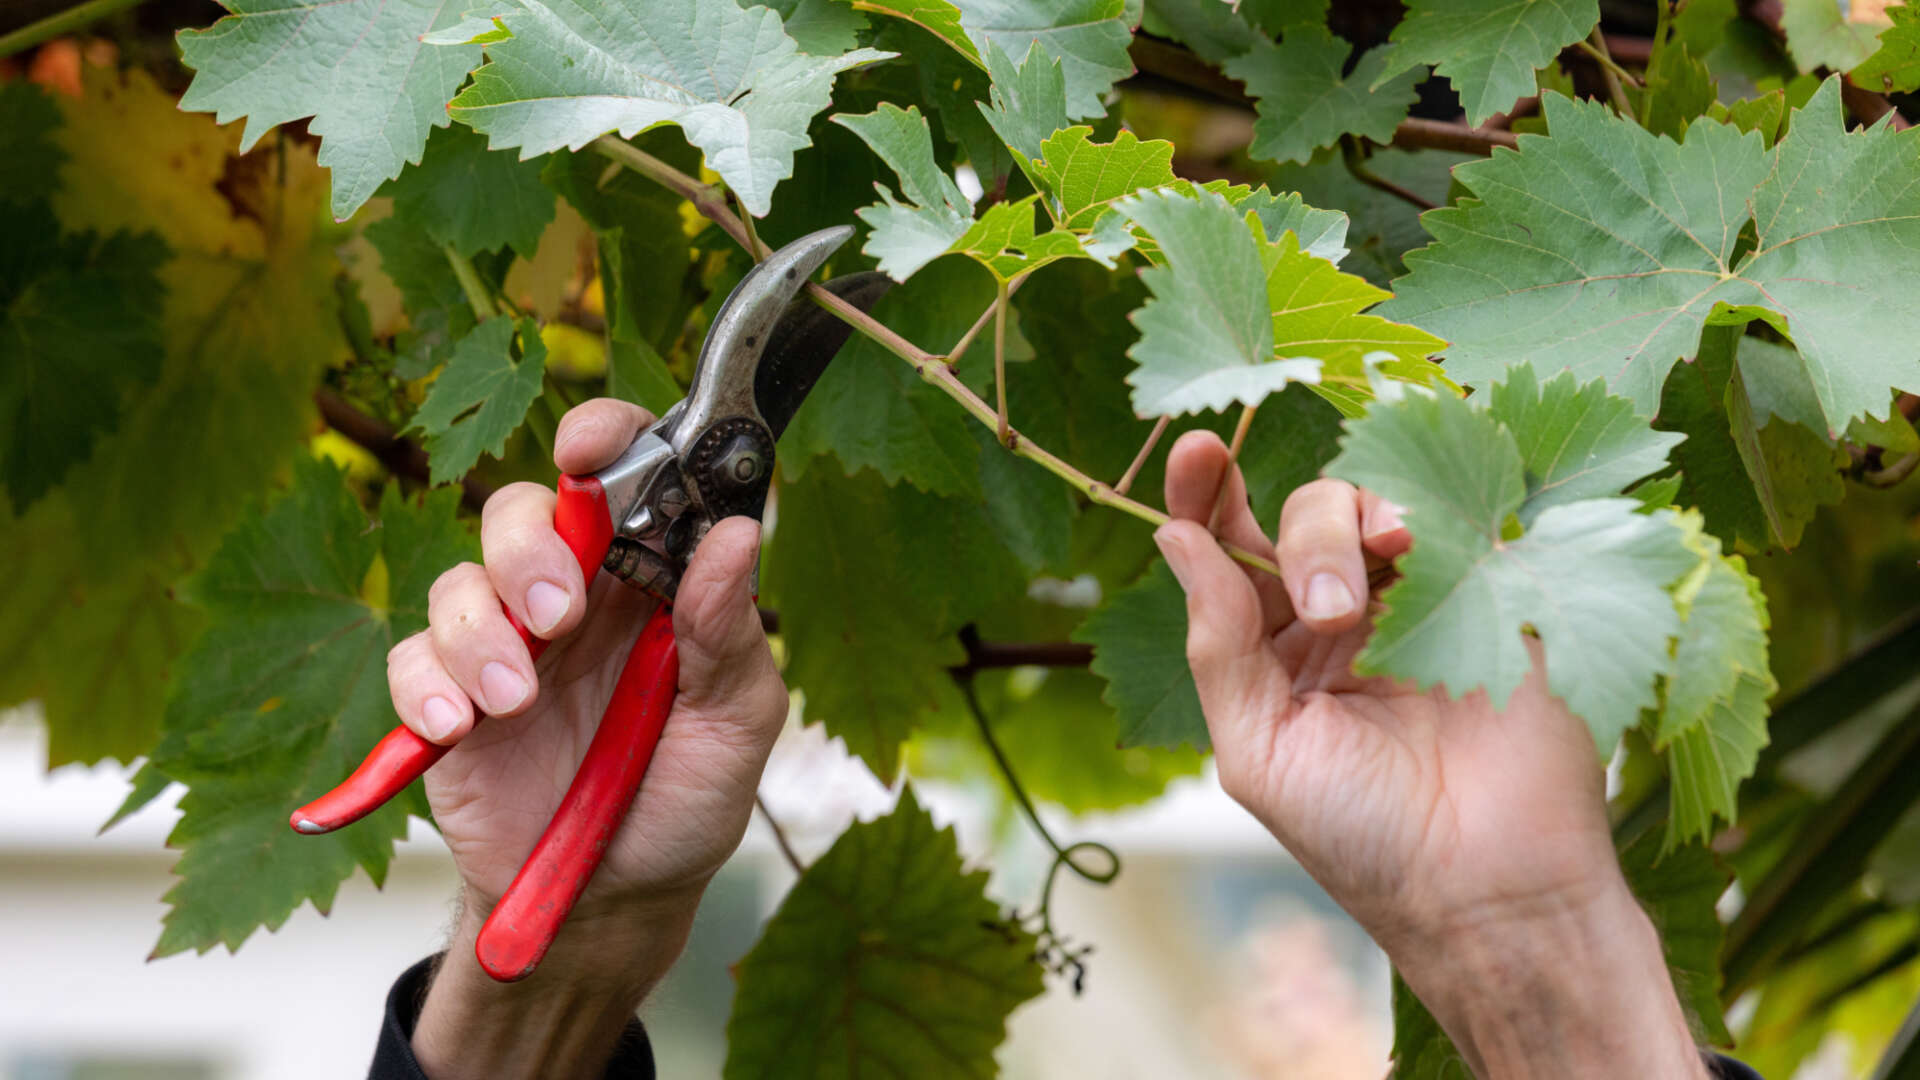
358, 67
1322, 233
1083, 178
1139, 639
1678, 90
95, 561
732, 80
473, 200
79, 331
1895, 66
818, 27
907, 236
1713, 717
1421, 1050
872, 410
1589, 576
29, 157
1306, 100
1382, 227
438, 313
481, 397
1089, 37
885, 957
1611, 248
1488, 49
1756, 484
283, 695
1678, 889
942, 564
1206, 337
1029, 102
1211, 336
1820, 34
1576, 442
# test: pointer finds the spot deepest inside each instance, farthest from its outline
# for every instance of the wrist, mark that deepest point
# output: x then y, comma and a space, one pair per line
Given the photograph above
1562, 985
563, 1020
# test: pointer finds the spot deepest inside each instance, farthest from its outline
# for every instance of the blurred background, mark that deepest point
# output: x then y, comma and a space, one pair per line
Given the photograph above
1214, 955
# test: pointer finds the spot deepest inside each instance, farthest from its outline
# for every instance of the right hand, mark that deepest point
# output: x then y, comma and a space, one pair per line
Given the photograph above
1471, 842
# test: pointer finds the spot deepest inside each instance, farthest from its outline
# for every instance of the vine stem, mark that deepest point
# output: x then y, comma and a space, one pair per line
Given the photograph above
1140, 459
934, 369
60, 24
1226, 475
1357, 168
1004, 432
966, 340
779, 835
1061, 855
1610, 73
470, 284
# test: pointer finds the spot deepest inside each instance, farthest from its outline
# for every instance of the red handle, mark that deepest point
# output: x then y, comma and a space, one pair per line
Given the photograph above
524, 922
582, 519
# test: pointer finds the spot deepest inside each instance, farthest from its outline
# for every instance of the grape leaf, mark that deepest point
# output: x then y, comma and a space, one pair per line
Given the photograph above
481, 397
1679, 888
943, 564
1089, 37
1305, 100
1758, 480
732, 80
438, 313
473, 200
358, 67
1138, 638
1029, 102
1895, 66
29, 158
1576, 442
1589, 576
874, 411
1206, 337
1713, 719
1610, 248
1820, 33
1083, 178
1237, 315
96, 559
1488, 49
79, 331
285, 692
818, 27
885, 957
1678, 90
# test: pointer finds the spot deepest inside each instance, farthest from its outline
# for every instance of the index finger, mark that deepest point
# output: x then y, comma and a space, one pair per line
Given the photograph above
593, 433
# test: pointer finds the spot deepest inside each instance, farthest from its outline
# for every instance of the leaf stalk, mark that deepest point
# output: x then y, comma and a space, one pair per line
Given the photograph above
60, 24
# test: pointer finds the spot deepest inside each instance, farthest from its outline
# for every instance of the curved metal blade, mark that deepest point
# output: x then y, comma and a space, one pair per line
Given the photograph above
805, 341
723, 379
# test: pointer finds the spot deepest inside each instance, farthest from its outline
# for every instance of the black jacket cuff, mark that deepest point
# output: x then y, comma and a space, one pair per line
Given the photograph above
393, 1055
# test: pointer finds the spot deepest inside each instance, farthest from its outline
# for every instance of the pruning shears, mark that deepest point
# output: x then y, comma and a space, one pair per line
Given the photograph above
640, 518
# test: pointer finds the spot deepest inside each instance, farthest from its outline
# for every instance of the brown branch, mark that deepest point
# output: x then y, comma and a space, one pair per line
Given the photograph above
402, 457
779, 835
1182, 67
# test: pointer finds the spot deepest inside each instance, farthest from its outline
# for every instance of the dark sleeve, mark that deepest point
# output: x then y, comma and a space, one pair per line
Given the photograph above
1725, 1068
393, 1054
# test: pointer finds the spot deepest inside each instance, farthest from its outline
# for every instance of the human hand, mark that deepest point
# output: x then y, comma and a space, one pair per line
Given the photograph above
494, 794
1471, 843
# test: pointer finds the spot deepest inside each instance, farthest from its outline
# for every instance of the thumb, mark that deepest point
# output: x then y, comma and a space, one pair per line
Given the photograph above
725, 664
1226, 632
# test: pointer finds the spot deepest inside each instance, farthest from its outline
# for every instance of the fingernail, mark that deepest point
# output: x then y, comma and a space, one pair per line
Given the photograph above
502, 686
547, 604
1172, 549
1327, 597
439, 716
1386, 518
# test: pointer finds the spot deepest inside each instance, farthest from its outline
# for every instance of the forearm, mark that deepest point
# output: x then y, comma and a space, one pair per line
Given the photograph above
564, 1020
1568, 991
